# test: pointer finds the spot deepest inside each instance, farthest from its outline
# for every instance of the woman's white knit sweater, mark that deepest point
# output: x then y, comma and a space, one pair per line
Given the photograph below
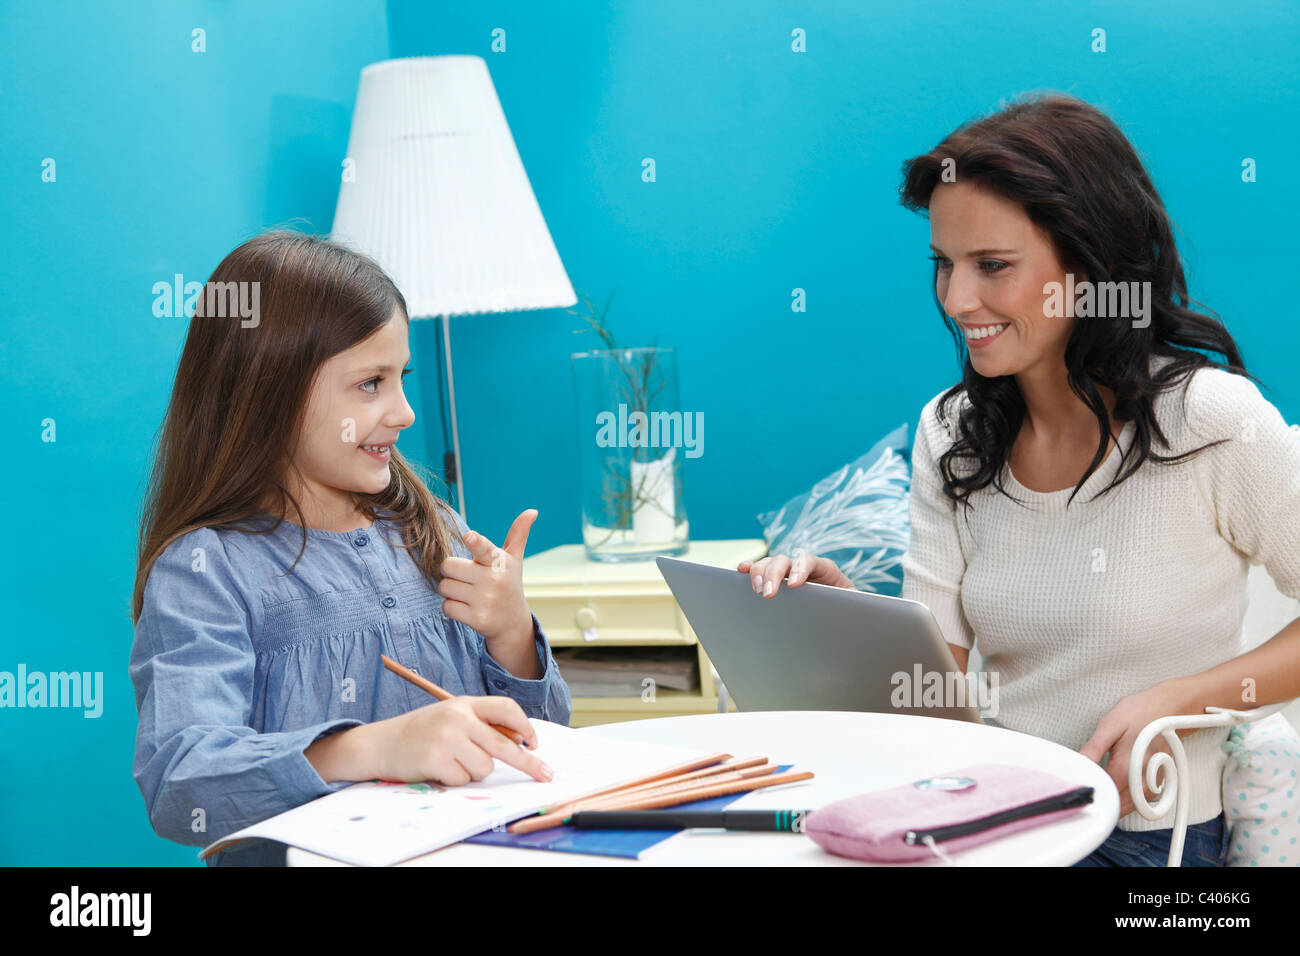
1076, 608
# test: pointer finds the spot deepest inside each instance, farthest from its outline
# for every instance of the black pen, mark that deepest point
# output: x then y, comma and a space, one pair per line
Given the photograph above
785, 820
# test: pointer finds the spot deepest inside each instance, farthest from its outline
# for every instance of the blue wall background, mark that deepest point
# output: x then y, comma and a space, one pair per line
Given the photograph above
775, 170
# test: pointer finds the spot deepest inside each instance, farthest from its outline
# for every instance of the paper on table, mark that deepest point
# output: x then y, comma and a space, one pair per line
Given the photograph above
379, 823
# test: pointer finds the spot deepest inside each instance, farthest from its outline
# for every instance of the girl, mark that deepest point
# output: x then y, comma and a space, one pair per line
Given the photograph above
286, 544
1104, 583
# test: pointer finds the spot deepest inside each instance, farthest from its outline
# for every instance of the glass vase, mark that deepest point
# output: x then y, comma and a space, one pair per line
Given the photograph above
632, 437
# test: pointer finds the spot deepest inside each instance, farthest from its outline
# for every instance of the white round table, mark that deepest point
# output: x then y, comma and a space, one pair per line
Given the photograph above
850, 753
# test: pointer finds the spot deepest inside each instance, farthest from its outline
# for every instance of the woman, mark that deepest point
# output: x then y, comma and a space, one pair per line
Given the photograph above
1103, 581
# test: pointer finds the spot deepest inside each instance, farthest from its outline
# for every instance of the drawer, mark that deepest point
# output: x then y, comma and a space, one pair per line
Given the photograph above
646, 618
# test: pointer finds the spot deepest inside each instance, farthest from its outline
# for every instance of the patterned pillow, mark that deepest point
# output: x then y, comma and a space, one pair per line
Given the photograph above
1260, 782
857, 517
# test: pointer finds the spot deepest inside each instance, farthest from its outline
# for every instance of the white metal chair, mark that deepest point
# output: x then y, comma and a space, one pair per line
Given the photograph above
1174, 765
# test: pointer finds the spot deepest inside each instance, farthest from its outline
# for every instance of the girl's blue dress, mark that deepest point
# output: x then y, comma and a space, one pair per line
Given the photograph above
239, 667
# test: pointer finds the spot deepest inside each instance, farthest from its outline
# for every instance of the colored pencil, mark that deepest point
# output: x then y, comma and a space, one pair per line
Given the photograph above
643, 802
671, 786
660, 775
715, 770
438, 692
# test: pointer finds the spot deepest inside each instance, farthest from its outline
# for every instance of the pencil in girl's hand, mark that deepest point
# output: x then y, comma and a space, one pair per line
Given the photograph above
441, 694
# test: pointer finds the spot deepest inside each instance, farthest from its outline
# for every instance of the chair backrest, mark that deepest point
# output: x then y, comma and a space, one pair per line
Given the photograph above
1260, 782
1260, 828
1267, 612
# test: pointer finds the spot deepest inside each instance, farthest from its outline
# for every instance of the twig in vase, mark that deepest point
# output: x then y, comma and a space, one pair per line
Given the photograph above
619, 497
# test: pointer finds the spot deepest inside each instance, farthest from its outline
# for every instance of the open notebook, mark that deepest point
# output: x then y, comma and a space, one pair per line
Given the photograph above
379, 823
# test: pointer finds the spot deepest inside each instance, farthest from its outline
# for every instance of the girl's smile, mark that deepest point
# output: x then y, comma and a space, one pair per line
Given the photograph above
379, 452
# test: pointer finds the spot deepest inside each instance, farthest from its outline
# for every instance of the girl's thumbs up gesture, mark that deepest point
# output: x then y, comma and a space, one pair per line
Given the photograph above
487, 594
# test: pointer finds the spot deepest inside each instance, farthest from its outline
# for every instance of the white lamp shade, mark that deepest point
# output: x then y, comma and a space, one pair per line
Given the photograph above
439, 197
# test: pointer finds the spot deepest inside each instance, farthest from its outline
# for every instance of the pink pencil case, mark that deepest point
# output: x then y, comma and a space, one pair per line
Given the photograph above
944, 814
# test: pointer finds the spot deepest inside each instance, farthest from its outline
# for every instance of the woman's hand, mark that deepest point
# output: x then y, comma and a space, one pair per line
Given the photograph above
1118, 730
767, 573
452, 742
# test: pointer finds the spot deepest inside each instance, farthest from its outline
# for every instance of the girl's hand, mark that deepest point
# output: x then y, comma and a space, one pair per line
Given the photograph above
766, 573
452, 742
487, 592
1118, 730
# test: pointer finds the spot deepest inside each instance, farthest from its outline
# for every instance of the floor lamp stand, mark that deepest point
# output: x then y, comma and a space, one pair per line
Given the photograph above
453, 461
433, 356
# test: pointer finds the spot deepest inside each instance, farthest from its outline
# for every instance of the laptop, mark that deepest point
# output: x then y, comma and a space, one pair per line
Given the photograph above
818, 647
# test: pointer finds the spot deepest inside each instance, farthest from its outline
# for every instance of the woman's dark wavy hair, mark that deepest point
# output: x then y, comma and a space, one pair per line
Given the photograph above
1078, 178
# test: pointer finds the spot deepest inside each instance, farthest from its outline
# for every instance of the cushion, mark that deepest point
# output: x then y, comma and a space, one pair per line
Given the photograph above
856, 516
1260, 782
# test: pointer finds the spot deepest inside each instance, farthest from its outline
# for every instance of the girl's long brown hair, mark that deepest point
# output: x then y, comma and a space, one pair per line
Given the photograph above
240, 397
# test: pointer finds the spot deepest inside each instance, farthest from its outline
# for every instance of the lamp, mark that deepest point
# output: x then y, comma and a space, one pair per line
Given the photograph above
435, 192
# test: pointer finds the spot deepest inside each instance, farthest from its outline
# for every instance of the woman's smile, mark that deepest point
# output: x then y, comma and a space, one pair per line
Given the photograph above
982, 336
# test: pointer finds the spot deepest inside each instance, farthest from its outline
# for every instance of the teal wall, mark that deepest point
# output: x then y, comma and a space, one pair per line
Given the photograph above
775, 170
166, 160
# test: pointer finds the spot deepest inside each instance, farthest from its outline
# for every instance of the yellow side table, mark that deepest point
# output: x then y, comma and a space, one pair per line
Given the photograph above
595, 604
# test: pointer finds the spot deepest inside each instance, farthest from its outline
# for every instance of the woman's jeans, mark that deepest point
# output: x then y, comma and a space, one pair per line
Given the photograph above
1206, 844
